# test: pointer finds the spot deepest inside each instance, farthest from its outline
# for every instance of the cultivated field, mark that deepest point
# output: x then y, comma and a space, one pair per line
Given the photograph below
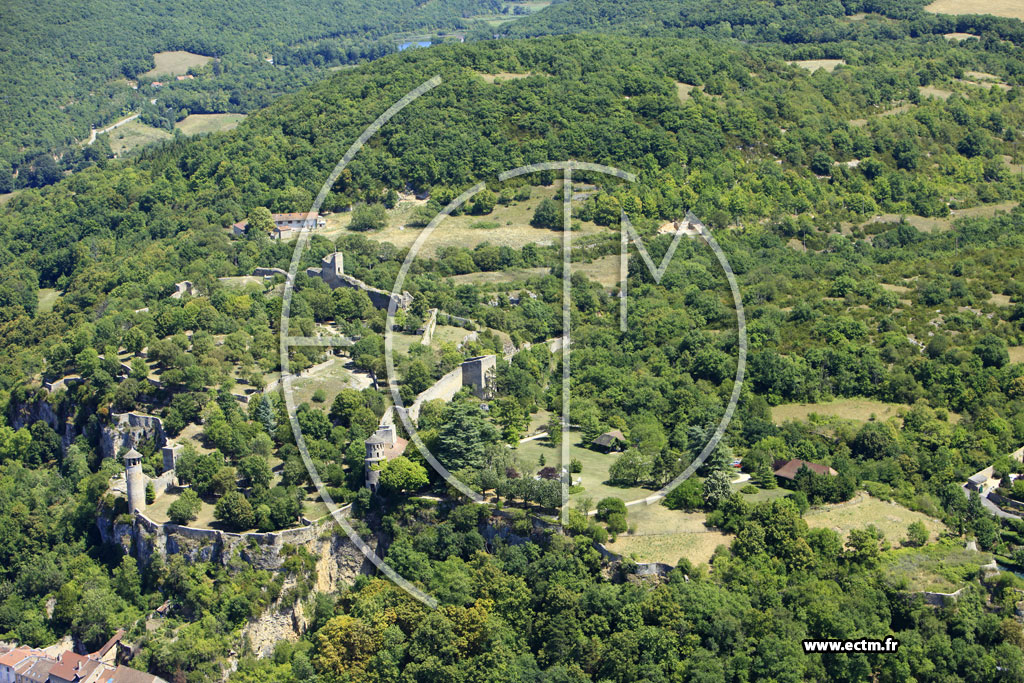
813, 65
890, 518
1000, 8
133, 135
175, 63
670, 548
197, 124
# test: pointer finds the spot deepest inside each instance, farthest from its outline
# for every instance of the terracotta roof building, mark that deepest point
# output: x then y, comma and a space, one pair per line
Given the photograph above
788, 470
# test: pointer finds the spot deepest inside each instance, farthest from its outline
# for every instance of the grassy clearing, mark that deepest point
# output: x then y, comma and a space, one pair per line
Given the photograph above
241, 281
943, 224
1000, 8
513, 227
7, 196
500, 277
683, 90
448, 334
762, 495
1016, 354
197, 124
1000, 300
47, 298
670, 548
860, 409
504, 76
813, 65
331, 379
175, 63
959, 36
932, 91
158, 511
595, 468
941, 567
133, 135
890, 518
656, 519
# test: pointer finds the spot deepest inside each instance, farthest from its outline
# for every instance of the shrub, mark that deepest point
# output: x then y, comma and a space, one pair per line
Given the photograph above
609, 506
617, 522
748, 489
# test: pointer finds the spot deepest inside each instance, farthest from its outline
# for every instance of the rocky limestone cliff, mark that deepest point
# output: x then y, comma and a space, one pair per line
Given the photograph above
58, 418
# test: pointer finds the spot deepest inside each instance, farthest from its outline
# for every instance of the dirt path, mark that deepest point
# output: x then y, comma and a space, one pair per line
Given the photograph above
93, 133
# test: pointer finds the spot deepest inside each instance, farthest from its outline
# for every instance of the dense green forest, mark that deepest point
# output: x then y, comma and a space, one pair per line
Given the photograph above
65, 67
787, 166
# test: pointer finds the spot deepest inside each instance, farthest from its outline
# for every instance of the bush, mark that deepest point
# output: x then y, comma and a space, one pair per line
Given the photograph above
748, 489
609, 506
185, 509
617, 522
319, 396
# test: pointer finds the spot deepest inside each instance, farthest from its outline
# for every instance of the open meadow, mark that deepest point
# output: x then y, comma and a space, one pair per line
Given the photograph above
133, 135
1013, 9
891, 518
175, 63
198, 124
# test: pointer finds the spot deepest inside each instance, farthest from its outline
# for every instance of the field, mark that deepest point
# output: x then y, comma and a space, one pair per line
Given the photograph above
595, 469
684, 89
890, 518
513, 227
942, 567
932, 91
943, 224
813, 65
198, 124
133, 135
332, 379
603, 270
47, 298
1013, 9
503, 76
175, 63
696, 547
860, 409
1016, 354
7, 196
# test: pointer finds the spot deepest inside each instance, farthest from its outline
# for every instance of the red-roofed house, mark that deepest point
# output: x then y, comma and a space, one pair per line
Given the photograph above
788, 470
72, 668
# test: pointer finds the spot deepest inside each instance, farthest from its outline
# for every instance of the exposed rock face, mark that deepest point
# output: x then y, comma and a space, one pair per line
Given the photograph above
126, 430
58, 419
338, 560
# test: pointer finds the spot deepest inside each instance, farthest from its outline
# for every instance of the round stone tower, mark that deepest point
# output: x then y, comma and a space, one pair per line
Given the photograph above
135, 480
374, 457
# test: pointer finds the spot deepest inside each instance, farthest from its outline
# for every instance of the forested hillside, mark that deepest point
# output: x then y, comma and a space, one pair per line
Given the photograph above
812, 181
65, 66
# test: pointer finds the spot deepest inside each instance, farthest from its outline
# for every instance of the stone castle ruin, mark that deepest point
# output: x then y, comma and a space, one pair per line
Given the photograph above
476, 373
332, 271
